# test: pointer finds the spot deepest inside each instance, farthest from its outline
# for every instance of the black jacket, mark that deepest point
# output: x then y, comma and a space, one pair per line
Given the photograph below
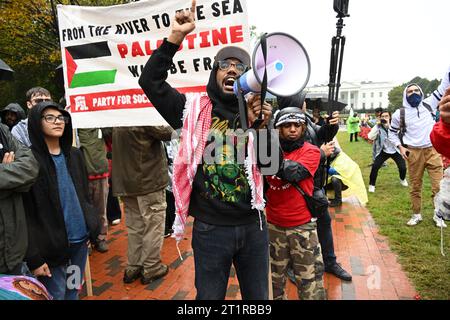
48, 241
211, 200
318, 135
16, 179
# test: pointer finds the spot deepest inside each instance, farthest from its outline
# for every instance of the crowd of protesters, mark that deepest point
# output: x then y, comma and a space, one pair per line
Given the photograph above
60, 187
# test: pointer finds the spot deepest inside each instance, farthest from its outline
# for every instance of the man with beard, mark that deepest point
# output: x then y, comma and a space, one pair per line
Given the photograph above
12, 114
229, 227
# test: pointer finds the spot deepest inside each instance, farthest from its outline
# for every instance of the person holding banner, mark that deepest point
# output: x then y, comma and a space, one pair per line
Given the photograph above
140, 177
222, 193
94, 152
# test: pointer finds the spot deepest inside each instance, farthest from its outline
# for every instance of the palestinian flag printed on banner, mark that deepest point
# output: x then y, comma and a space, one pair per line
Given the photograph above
90, 78
104, 50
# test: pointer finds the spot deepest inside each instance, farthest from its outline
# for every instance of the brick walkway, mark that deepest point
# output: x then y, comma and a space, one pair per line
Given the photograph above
360, 249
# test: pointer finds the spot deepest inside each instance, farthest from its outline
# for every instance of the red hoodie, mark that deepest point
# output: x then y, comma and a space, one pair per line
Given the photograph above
286, 207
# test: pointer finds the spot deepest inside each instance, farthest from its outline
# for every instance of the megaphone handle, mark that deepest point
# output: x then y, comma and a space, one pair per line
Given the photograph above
242, 107
264, 82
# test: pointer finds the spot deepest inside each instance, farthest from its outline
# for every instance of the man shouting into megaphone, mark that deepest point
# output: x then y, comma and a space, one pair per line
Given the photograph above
225, 196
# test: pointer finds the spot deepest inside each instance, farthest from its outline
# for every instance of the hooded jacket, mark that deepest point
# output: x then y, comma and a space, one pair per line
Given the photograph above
48, 240
353, 124
216, 197
419, 122
315, 134
13, 107
16, 179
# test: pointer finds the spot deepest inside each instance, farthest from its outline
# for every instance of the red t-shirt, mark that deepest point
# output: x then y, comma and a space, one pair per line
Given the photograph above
286, 207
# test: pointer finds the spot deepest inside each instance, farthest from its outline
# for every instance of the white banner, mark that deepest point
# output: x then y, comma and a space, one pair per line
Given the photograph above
105, 48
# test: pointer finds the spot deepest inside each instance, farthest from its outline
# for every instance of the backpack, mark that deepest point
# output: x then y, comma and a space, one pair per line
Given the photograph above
402, 131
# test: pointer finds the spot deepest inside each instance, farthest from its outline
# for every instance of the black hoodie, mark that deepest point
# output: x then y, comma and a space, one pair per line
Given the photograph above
13, 107
221, 194
48, 240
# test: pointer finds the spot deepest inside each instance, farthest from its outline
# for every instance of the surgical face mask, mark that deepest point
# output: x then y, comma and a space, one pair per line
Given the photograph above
414, 100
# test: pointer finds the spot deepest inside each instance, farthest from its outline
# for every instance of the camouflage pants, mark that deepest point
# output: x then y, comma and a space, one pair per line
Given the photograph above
300, 248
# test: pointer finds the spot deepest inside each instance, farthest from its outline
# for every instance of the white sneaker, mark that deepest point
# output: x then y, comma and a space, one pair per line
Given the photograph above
415, 219
404, 183
371, 188
439, 222
115, 222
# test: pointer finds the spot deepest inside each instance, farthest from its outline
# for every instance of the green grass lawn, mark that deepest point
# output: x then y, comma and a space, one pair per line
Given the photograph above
418, 247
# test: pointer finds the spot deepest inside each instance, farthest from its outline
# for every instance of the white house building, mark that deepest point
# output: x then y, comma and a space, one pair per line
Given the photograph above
366, 95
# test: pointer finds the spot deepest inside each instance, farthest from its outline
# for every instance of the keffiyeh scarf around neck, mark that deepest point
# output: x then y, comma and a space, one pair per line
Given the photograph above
194, 135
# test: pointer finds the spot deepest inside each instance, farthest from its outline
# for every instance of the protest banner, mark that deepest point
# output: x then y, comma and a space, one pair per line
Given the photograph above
104, 50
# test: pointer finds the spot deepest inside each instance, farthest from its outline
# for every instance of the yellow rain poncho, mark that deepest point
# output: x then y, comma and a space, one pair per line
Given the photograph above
350, 175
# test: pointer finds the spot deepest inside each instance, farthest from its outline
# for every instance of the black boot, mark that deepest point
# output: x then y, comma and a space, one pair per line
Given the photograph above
334, 203
339, 272
337, 187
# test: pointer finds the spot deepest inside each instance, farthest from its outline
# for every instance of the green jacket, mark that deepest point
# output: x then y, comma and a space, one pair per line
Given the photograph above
353, 125
94, 151
139, 160
15, 178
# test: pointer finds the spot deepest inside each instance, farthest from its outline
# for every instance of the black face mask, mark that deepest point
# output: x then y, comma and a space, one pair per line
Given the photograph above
290, 145
384, 121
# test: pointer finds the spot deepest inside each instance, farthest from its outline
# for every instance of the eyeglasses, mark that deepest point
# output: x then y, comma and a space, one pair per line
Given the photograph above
224, 65
39, 100
52, 119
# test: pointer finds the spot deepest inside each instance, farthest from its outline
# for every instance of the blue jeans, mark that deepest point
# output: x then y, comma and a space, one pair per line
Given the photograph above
217, 247
66, 280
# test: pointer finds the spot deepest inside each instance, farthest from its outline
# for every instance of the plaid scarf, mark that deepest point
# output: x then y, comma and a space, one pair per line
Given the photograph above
194, 135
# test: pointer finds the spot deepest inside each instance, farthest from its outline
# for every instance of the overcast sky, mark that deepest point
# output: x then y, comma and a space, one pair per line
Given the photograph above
386, 40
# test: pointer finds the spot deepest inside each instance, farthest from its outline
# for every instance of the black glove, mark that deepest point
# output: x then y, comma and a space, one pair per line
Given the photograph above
292, 171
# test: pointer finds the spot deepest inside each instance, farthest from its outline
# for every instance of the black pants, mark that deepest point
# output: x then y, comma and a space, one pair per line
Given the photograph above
325, 235
337, 187
380, 159
170, 211
351, 136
